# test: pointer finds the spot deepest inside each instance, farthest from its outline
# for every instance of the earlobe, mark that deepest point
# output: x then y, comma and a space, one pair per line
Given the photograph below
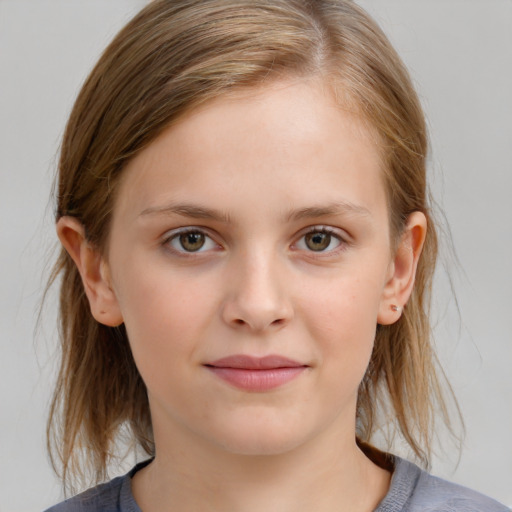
400, 284
93, 270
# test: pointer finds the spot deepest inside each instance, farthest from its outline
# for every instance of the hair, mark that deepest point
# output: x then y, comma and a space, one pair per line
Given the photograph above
171, 57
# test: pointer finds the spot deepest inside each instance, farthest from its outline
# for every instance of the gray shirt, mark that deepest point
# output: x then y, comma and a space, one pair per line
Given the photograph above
411, 490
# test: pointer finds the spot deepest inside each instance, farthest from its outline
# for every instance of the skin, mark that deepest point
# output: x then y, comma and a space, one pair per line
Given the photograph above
254, 172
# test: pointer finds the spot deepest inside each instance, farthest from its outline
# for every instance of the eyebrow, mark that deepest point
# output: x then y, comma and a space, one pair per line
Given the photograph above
332, 209
187, 210
201, 212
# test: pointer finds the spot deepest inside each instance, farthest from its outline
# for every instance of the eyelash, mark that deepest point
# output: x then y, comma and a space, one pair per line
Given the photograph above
176, 234
326, 230
182, 252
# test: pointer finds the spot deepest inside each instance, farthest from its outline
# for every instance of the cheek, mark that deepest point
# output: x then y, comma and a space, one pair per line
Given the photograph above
342, 318
165, 314
343, 305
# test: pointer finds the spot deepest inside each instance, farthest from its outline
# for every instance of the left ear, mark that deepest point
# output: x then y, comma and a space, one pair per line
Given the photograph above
402, 271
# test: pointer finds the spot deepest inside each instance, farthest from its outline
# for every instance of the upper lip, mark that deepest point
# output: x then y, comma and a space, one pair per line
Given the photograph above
245, 362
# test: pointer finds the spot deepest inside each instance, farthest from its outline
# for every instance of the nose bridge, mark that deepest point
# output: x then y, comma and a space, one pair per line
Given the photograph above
257, 297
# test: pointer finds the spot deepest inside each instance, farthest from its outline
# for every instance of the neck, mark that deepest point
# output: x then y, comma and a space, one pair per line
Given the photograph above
338, 478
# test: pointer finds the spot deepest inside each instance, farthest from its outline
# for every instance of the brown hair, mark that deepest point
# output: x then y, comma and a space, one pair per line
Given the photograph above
173, 56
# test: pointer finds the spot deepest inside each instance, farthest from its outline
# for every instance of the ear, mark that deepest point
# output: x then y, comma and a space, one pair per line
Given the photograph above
93, 270
403, 267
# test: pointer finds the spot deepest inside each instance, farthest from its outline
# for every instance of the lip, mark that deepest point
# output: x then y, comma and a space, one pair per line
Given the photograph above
256, 374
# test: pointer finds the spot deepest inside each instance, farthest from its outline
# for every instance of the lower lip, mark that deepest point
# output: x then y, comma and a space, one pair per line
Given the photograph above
257, 380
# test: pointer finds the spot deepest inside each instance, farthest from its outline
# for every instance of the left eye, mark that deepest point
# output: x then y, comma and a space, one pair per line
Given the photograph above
319, 241
191, 241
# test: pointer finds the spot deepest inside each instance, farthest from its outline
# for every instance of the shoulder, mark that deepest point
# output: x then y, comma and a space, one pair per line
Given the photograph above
113, 496
443, 495
415, 490
104, 497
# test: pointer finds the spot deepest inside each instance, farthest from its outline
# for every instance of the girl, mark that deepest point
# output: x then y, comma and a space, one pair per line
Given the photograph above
247, 258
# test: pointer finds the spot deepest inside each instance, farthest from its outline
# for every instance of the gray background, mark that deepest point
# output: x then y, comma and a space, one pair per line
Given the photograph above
459, 53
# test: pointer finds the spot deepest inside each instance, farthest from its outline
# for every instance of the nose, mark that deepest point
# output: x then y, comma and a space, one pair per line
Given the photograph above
257, 298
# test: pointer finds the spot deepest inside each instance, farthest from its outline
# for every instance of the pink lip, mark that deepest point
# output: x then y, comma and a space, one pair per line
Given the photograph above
256, 373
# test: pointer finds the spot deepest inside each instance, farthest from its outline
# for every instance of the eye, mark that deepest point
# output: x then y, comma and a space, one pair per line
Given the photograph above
319, 240
191, 241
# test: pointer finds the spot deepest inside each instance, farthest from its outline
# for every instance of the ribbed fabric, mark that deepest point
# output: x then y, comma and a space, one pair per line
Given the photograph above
403, 484
411, 490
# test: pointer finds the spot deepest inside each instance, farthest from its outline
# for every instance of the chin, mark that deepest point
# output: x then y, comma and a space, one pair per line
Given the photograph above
260, 445
262, 437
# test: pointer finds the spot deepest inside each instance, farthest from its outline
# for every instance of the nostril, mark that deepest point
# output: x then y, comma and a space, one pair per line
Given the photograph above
277, 322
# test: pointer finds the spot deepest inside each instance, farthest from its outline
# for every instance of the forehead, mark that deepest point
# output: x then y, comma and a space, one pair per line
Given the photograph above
289, 138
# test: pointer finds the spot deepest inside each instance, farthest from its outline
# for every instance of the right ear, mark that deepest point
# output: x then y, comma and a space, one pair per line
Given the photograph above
93, 270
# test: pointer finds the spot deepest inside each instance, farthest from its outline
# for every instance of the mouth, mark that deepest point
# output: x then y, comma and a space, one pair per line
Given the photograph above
257, 374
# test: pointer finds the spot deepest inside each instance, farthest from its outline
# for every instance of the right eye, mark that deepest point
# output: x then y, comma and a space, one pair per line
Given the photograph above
191, 241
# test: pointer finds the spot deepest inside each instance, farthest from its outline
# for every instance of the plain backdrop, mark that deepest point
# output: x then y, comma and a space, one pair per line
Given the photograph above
460, 56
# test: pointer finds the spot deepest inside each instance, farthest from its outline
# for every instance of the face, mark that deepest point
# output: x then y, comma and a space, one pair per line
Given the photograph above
250, 261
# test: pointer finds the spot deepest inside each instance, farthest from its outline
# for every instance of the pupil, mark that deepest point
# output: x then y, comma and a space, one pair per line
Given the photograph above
318, 241
192, 241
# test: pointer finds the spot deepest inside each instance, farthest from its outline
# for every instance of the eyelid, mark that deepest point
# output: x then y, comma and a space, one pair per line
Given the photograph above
174, 233
341, 235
